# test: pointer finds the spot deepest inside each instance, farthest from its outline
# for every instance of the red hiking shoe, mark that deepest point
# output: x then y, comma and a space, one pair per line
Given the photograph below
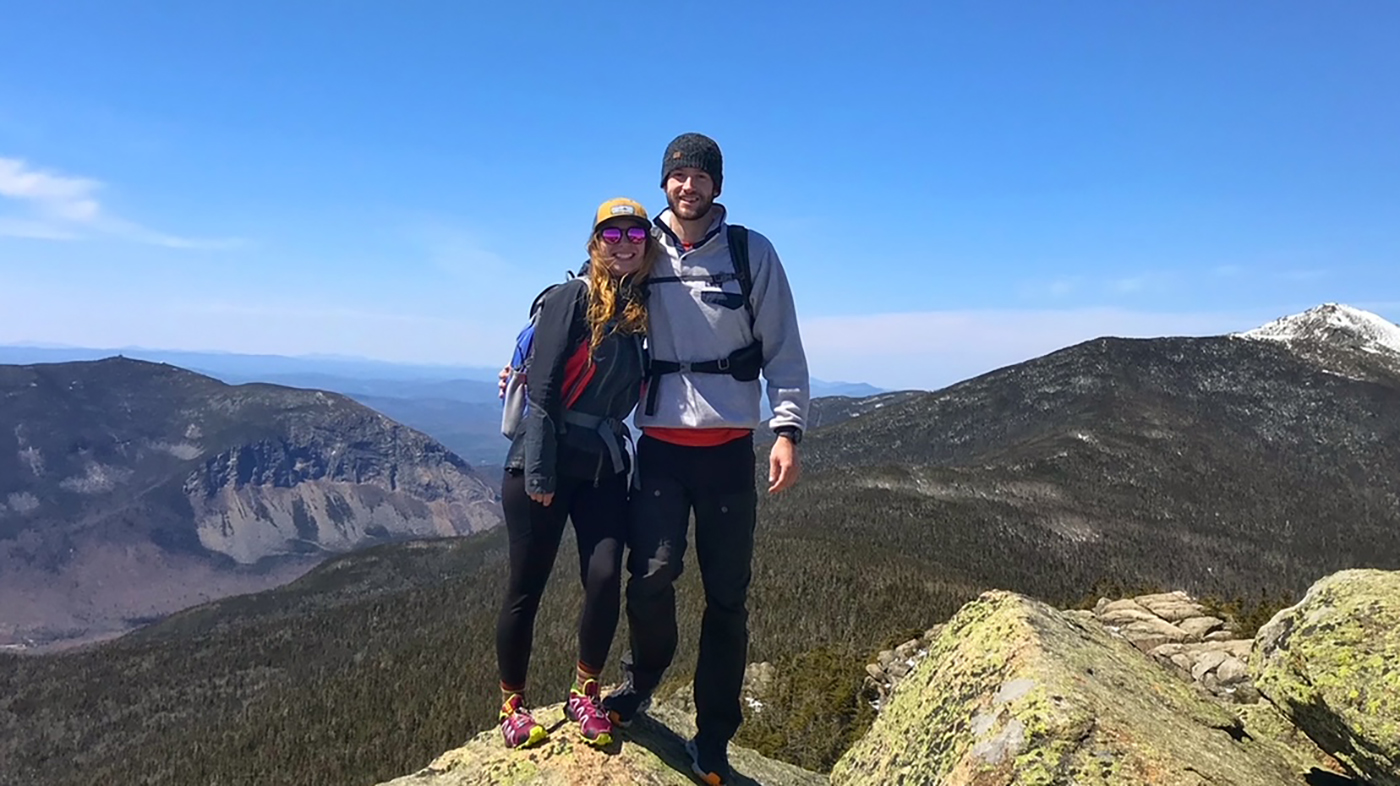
585, 709
518, 727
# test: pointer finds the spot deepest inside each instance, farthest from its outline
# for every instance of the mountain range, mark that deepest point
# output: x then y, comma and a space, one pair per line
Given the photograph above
130, 489
458, 405
1239, 468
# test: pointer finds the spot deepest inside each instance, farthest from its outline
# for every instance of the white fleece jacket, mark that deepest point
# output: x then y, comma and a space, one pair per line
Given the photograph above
694, 321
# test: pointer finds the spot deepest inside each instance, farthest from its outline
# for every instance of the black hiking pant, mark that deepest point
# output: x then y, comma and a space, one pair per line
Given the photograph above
600, 524
718, 484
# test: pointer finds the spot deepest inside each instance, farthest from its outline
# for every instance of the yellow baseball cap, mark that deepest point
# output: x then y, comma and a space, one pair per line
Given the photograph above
621, 207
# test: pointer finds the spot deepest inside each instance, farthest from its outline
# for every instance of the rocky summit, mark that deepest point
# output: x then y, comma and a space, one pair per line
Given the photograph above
129, 490
1015, 692
1172, 627
1332, 665
649, 753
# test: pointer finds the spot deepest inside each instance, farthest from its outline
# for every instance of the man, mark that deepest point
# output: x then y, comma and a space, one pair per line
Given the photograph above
698, 414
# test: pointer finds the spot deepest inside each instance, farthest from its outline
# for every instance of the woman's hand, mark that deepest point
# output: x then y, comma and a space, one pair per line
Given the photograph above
543, 499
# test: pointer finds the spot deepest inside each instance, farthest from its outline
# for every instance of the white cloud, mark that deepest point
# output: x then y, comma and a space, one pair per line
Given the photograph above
33, 229
308, 313
60, 207
1130, 285
66, 194
273, 324
932, 349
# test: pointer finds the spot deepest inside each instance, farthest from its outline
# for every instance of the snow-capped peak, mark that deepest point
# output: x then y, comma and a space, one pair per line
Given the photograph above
1334, 322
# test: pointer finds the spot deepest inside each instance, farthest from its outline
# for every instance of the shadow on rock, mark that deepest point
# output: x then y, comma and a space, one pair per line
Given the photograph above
1320, 777
669, 747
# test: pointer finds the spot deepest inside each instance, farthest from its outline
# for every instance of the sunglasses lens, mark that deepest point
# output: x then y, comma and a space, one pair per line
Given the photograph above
611, 235
637, 235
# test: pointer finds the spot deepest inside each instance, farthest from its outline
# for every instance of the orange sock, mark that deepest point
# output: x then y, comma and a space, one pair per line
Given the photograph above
583, 673
508, 690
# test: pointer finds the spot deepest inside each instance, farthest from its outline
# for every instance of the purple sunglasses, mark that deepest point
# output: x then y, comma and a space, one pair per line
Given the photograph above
614, 234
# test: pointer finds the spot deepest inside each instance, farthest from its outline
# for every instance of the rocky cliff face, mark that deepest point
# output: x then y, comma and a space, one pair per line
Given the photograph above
131, 489
333, 489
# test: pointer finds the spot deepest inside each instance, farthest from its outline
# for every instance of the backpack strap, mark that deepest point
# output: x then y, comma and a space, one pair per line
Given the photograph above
739, 254
738, 238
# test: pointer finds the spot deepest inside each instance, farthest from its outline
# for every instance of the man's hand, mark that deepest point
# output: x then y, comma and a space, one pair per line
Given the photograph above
783, 466
543, 499
505, 375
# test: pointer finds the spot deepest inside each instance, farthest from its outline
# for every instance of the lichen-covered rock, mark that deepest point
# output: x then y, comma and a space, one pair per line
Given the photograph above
1332, 665
1263, 721
1014, 692
650, 753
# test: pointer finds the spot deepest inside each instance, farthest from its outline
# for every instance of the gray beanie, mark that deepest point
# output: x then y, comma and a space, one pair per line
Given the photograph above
695, 150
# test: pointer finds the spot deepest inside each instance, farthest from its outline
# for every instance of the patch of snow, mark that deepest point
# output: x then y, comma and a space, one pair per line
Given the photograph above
1351, 377
182, 450
1376, 333
32, 458
98, 478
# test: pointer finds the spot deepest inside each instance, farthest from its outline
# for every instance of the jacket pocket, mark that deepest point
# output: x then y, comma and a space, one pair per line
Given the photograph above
718, 297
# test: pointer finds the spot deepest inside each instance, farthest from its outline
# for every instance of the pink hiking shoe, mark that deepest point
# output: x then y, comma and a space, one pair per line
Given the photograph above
518, 727
585, 708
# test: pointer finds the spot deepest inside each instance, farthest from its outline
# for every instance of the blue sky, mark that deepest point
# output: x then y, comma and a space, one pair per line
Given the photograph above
952, 186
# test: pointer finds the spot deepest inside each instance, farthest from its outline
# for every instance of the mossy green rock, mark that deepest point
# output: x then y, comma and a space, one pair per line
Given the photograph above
1015, 692
650, 753
1332, 665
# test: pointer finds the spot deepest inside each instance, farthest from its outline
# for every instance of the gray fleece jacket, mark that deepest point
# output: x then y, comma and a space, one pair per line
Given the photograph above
694, 321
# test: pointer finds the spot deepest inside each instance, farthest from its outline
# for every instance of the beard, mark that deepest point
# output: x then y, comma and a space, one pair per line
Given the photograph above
690, 211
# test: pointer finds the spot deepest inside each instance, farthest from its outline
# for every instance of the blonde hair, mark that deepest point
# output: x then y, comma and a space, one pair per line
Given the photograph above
604, 288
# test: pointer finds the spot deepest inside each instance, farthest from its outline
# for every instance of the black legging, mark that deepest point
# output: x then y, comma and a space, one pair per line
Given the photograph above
600, 526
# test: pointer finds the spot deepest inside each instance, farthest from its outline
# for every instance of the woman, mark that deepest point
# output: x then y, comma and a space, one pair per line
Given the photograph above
568, 461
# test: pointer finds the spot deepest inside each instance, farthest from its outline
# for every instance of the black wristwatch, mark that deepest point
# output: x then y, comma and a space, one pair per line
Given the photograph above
791, 432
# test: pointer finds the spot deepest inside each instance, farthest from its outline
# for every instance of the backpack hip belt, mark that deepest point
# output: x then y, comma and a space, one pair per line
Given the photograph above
743, 364
611, 430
